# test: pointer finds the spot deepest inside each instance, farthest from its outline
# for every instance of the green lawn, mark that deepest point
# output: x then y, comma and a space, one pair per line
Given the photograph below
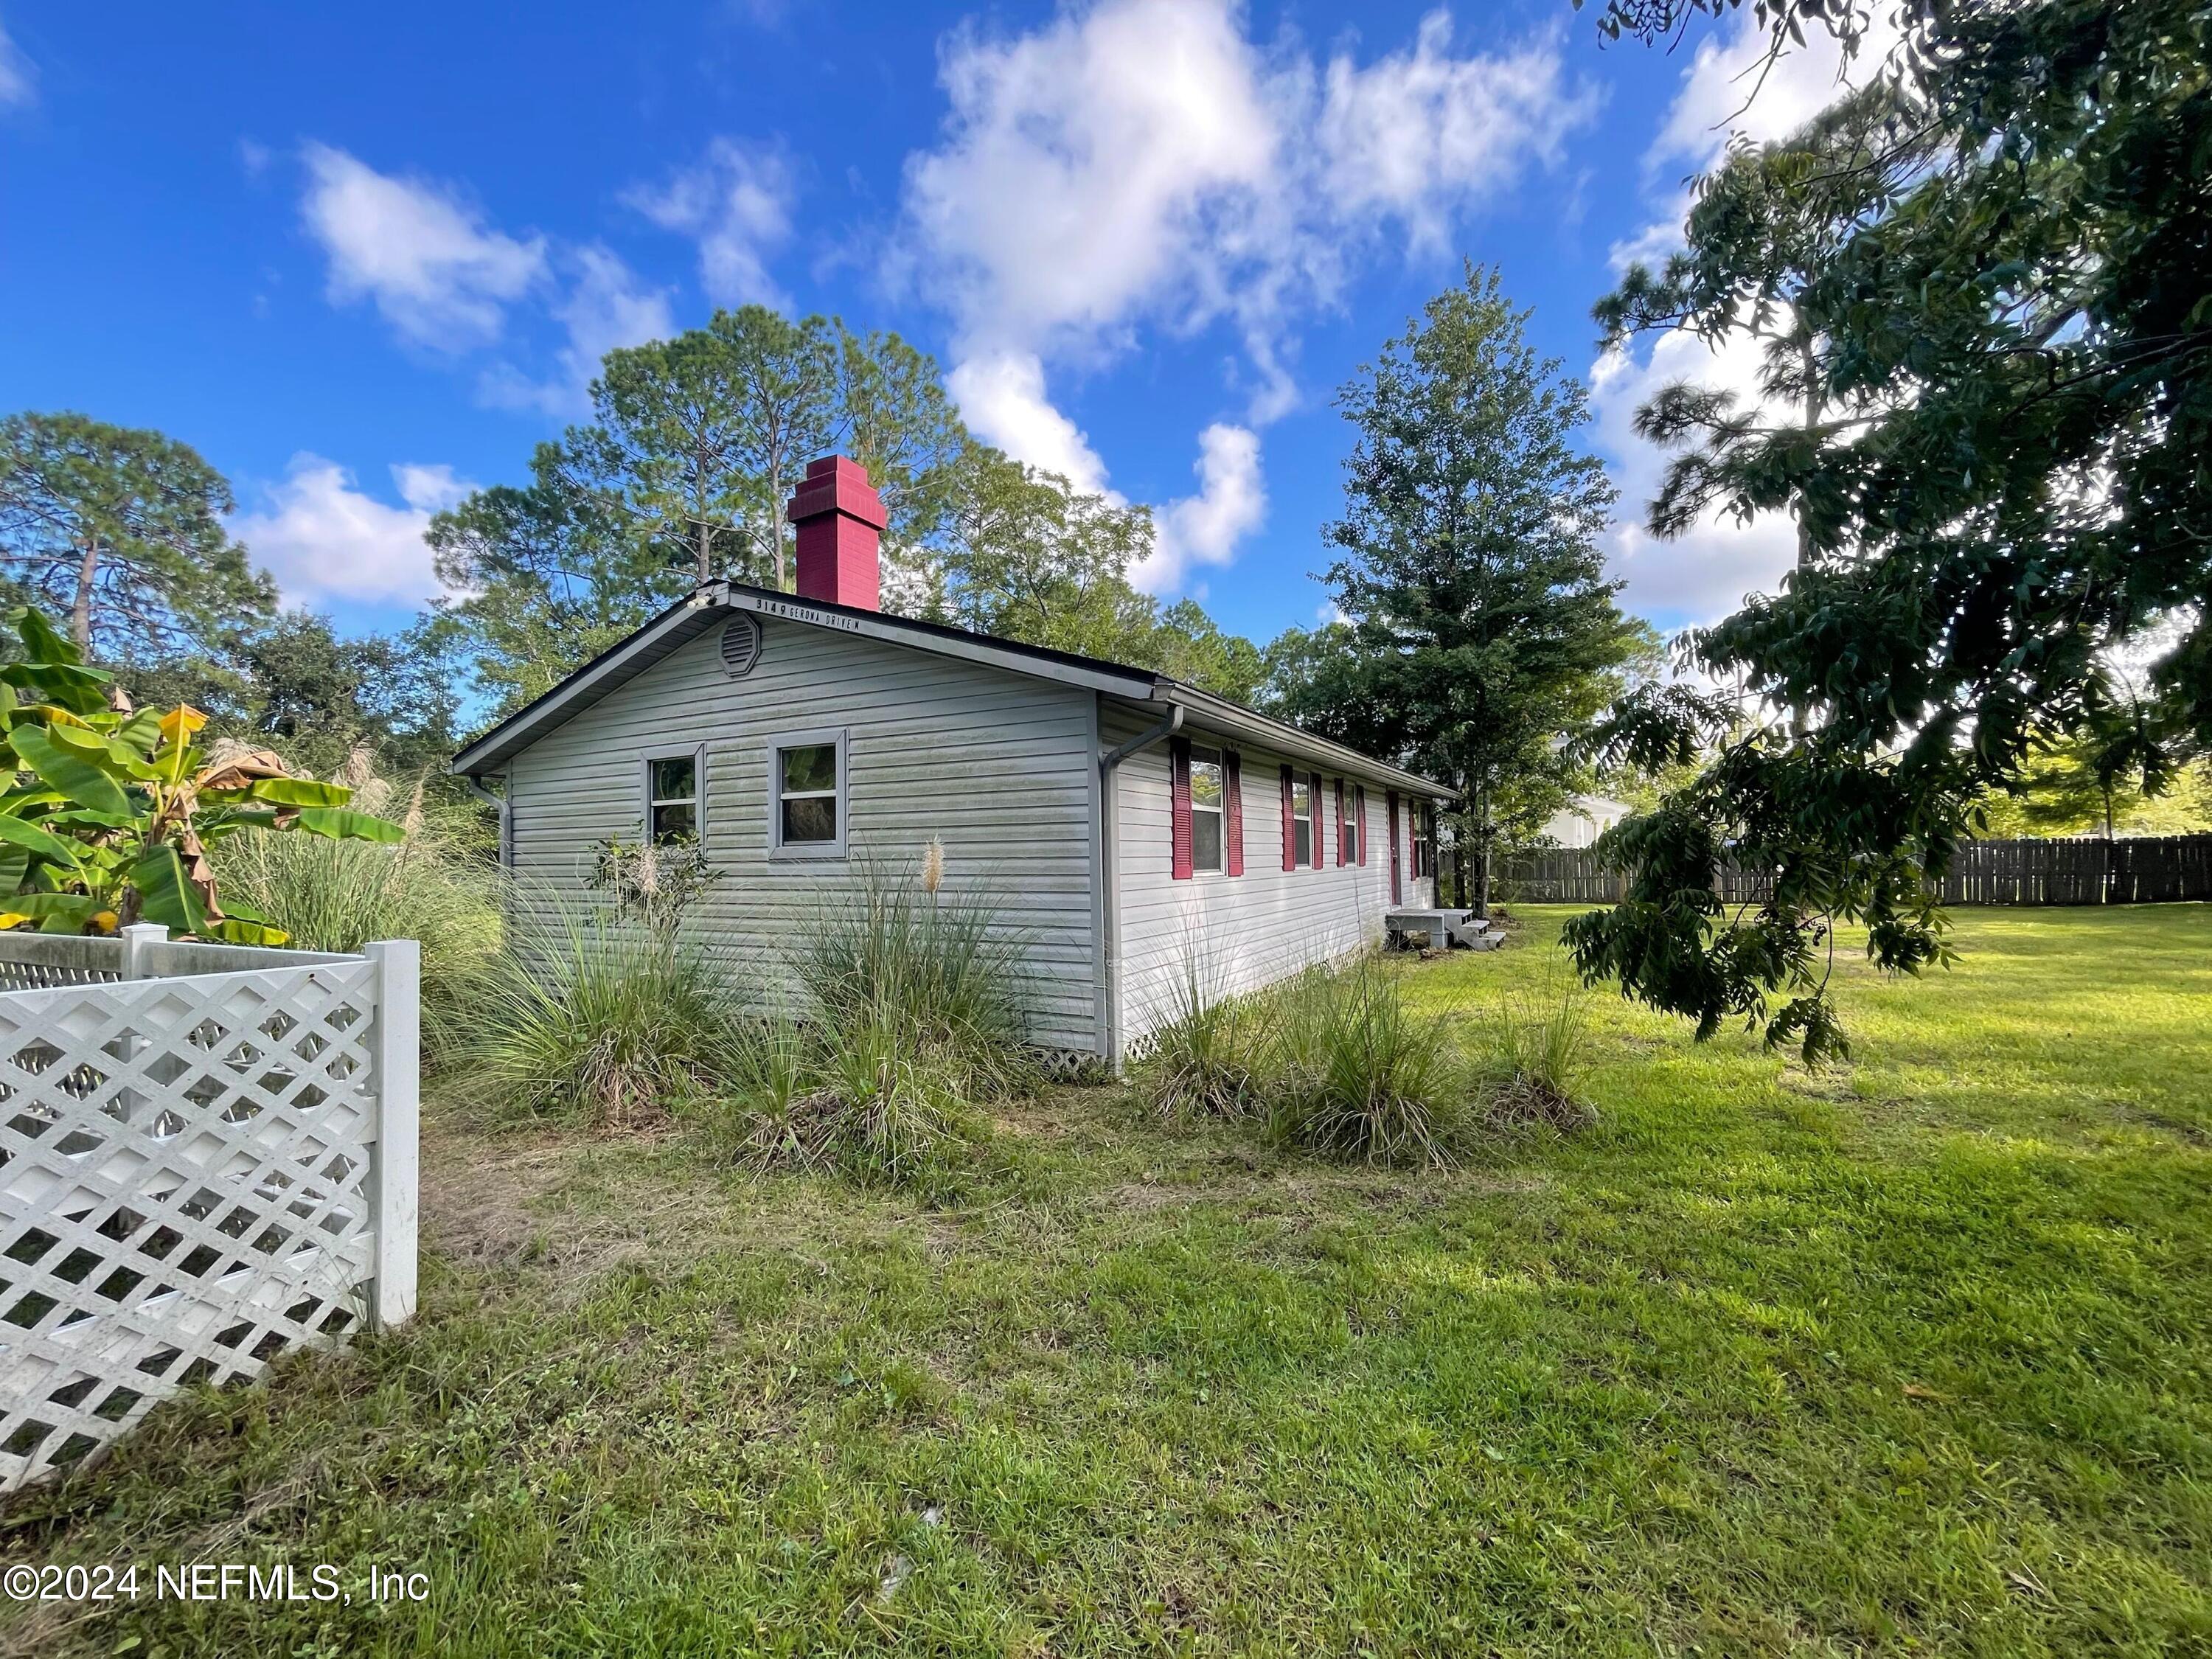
1913, 1355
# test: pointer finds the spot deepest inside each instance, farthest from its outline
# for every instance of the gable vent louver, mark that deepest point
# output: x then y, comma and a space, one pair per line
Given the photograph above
741, 645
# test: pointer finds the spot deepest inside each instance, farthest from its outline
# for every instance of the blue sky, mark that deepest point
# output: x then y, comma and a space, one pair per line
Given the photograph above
363, 257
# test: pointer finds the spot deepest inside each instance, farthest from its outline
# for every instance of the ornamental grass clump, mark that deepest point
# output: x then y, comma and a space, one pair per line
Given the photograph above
862, 1099
330, 895
1357, 1073
910, 1022
1538, 1060
936, 966
589, 1016
1210, 1059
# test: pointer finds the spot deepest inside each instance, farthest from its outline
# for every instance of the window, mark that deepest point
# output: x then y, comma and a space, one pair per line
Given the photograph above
1302, 821
1206, 798
1347, 843
671, 797
1424, 843
807, 795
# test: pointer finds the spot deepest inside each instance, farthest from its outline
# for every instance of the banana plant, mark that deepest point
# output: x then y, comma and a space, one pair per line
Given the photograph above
110, 810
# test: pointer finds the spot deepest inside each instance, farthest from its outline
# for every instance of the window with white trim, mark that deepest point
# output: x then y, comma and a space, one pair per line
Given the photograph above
1302, 820
672, 797
1207, 810
807, 794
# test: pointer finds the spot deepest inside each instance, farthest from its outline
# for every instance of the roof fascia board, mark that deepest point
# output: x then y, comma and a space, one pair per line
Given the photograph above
1234, 719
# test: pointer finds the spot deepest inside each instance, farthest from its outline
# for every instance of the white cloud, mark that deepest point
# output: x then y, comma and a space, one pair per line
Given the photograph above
1704, 575
736, 201
324, 539
1730, 92
1145, 163
437, 273
1001, 397
1206, 528
1420, 135
19, 76
603, 306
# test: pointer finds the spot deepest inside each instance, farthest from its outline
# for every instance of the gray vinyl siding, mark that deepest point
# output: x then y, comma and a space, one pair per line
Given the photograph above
998, 765
1236, 933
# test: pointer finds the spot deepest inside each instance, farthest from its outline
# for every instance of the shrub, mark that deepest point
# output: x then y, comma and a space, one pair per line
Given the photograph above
587, 1017
1210, 1059
1358, 1073
1537, 1060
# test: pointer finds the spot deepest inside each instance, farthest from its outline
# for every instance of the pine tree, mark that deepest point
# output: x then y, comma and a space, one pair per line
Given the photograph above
1481, 632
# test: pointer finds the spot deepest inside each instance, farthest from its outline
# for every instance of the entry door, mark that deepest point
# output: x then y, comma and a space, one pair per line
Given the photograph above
1395, 896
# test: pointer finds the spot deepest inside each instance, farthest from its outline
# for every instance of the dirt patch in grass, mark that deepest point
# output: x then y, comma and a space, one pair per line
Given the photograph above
480, 1193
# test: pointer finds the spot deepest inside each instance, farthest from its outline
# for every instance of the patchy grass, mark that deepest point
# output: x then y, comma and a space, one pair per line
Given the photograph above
1908, 1356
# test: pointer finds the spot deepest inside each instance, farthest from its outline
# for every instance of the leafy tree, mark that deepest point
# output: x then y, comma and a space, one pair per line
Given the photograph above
546, 578
1189, 645
1026, 556
1999, 263
1480, 630
121, 530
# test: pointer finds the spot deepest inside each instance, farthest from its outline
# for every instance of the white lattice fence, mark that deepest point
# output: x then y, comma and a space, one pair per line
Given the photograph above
196, 1174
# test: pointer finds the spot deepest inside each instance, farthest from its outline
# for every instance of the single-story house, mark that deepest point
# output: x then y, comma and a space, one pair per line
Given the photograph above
1582, 820
1128, 829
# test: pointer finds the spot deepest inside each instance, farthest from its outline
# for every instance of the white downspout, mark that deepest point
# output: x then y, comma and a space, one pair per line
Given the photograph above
1109, 764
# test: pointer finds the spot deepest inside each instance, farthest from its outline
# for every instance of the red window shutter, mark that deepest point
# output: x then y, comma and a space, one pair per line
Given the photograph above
1232, 810
1290, 831
1359, 823
1179, 805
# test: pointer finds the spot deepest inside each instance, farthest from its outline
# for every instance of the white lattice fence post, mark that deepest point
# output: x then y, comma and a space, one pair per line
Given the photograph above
138, 940
396, 1042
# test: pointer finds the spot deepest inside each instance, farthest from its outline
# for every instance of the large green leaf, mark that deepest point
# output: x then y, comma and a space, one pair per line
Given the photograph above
341, 824
81, 690
76, 908
33, 839
165, 894
236, 930
67, 770
297, 792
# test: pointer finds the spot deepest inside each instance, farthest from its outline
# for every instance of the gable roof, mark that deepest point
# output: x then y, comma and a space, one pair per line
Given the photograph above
696, 612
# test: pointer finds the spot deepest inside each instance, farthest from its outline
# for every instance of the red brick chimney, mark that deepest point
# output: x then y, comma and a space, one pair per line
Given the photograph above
840, 519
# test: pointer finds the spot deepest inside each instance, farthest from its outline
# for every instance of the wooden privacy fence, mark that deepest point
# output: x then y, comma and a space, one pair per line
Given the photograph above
207, 1156
2137, 870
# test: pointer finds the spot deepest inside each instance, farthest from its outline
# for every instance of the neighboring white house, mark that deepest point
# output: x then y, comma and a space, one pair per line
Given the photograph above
1584, 819
1128, 829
